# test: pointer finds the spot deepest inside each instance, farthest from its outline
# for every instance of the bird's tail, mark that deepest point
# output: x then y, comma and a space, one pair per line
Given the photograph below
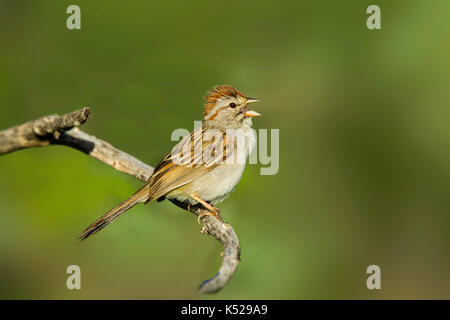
140, 196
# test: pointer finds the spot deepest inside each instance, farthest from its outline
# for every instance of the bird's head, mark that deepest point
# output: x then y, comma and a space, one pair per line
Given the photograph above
227, 107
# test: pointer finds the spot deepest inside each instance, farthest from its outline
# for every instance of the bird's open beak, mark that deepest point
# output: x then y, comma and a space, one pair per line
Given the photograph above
251, 113
250, 100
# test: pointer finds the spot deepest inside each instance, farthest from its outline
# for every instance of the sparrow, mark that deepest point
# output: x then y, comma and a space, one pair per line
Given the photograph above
205, 166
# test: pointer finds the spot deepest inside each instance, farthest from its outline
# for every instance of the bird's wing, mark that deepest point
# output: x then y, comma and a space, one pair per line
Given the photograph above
194, 156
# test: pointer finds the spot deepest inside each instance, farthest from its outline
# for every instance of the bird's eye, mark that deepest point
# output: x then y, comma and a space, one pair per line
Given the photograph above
232, 105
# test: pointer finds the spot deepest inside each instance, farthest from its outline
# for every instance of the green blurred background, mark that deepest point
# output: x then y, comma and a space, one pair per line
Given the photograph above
364, 147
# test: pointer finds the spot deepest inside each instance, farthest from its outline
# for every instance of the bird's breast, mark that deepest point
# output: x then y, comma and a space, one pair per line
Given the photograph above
217, 184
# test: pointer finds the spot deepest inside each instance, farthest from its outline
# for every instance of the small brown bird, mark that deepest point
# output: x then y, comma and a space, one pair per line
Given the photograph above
205, 166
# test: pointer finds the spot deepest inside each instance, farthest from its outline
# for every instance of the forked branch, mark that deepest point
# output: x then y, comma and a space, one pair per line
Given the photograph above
61, 130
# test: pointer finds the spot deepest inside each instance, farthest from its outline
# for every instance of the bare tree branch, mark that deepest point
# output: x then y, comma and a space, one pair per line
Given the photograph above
40, 132
106, 153
60, 130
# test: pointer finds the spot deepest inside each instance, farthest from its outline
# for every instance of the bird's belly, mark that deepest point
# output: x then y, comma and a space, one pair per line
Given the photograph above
214, 186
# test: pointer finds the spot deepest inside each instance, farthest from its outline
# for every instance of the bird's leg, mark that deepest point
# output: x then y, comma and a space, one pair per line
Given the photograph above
213, 210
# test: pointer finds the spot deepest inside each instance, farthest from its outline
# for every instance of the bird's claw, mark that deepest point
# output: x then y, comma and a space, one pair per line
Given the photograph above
215, 213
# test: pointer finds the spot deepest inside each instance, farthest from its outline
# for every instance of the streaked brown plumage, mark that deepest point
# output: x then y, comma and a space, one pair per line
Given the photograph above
188, 176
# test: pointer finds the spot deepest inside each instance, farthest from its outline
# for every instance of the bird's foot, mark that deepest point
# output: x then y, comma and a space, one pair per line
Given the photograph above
213, 211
